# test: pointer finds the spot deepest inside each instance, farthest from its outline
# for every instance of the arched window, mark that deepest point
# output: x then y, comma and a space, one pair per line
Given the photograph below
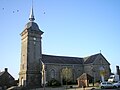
52, 73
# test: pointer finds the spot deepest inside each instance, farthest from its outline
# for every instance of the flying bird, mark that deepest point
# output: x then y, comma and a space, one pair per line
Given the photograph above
17, 10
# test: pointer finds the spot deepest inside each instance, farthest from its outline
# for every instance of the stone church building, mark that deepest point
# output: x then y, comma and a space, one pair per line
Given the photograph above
37, 68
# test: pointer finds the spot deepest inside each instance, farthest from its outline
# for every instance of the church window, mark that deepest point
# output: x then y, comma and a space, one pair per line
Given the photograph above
52, 73
34, 42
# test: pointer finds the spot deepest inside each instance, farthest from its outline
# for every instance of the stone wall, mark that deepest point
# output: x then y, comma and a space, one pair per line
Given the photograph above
77, 70
93, 69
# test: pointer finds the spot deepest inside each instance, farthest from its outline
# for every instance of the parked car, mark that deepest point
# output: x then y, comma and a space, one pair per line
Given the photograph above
117, 84
107, 85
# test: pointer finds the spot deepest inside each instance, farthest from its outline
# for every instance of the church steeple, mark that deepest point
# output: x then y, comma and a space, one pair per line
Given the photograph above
31, 53
31, 17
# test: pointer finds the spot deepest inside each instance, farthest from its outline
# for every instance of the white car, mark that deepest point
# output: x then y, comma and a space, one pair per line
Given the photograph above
117, 84
107, 85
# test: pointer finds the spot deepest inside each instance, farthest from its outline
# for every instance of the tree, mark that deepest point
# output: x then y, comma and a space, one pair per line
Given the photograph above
66, 74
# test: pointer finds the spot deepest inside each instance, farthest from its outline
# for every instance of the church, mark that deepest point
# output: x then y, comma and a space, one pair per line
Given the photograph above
37, 68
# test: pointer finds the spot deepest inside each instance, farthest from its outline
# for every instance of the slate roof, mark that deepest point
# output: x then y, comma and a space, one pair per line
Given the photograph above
85, 76
90, 59
70, 60
61, 59
32, 25
1, 73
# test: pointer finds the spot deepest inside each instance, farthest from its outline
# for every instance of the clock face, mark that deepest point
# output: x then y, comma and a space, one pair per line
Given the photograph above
34, 38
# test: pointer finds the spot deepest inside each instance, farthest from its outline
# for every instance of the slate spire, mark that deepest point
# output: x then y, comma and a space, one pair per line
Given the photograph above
31, 17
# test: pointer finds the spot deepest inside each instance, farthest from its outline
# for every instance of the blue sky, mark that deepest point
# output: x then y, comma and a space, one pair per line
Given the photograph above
71, 28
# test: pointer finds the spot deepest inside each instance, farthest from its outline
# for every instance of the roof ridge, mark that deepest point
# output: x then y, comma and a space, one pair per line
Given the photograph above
71, 56
61, 59
62, 56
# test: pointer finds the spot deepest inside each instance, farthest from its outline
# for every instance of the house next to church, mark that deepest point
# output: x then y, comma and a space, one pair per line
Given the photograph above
6, 79
37, 68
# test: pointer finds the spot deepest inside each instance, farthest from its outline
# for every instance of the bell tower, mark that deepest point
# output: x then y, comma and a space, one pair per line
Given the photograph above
31, 53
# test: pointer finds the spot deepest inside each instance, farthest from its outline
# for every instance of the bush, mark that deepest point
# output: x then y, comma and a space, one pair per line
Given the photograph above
69, 82
54, 82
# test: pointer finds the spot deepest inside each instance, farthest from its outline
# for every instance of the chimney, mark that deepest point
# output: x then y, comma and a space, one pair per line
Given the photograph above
6, 69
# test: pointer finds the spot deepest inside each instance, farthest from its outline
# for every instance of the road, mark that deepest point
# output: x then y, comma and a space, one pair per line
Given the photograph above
89, 88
